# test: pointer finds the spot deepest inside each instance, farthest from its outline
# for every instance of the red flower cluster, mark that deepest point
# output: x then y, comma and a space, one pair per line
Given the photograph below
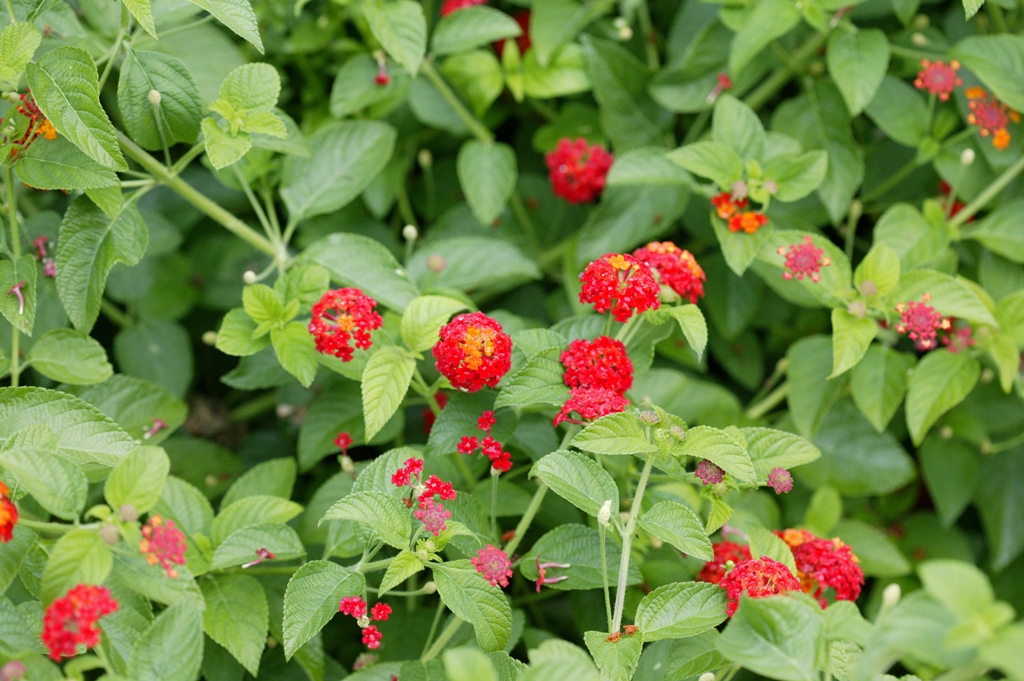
725, 552
590, 404
828, 564
991, 116
600, 363
938, 78
958, 339
432, 514
780, 480
473, 352
340, 316
500, 459
429, 417
675, 267
578, 170
921, 321
493, 564
403, 476
356, 607
8, 514
758, 579
619, 283
709, 472
450, 6
748, 222
70, 621
804, 260
726, 205
163, 543
343, 441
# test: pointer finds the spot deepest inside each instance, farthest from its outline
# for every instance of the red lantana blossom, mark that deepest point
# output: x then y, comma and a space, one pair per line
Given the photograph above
433, 516
804, 260
436, 485
578, 170
380, 612
709, 473
780, 480
590, 404
372, 637
794, 537
163, 543
938, 78
450, 6
352, 605
8, 514
340, 316
675, 267
725, 552
758, 579
343, 441
828, 564
619, 283
958, 339
404, 475
991, 116
493, 564
473, 352
70, 621
749, 222
726, 205
501, 460
920, 322
600, 363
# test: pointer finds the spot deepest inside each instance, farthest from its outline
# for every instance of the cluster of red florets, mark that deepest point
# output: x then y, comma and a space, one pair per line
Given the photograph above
163, 543
356, 607
340, 316
727, 555
501, 460
429, 512
824, 564
730, 207
675, 267
70, 621
804, 260
709, 472
409, 473
619, 283
921, 322
8, 514
958, 338
600, 363
450, 6
991, 116
578, 170
757, 579
938, 78
780, 480
493, 564
343, 441
473, 352
590, 404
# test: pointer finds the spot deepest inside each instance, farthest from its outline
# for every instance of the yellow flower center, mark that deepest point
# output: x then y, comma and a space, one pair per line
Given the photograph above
479, 343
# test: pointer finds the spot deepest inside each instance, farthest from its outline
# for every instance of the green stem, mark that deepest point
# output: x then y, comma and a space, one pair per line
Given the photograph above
187, 158
114, 313
914, 55
997, 447
442, 640
998, 18
519, 210
524, 522
433, 626
643, 14
604, 574
374, 565
478, 129
254, 407
54, 528
494, 504
756, 411
852, 218
125, 21
189, 193
990, 192
257, 208
10, 12
698, 126
783, 74
627, 544
12, 216
890, 182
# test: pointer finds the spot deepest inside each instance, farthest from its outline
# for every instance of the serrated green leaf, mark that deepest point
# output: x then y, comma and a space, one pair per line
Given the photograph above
169, 650
312, 598
275, 477
778, 637
881, 267
579, 480
811, 393
472, 27
222, 147
468, 664
296, 351
617, 659
13, 553
680, 610
252, 511
714, 160
177, 116
879, 556
614, 434
915, 240
769, 448
507, 266
237, 335
236, 15
236, 616
136, 405
487, 173
143, 13
13, 272
690, 657
857, 62
676, 524
580, 547
54, 482
879, 382
691, 323
539, 381
824, 511
404, 566
401, 29
424, 318
18, 42
739, 248
383, 513
138, 479
70, 357
356, 260
764, 543
241, 546
721, 449
941, 380
851, 337
78, 557
472, 598
997, 232
59, 164
718, 515
385, 382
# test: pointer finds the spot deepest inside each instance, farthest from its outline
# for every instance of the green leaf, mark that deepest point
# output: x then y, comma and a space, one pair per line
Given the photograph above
304, 282
565, 73
950, 470
404, 566
354, 88
764, 543
739, 248
311, 600
12, 273
185, 505
580, 547
824, 511
777, 637
881, 267
539, 381
851, 336
995, 59
222, 147
811, 393
71, 357
138, 479
169, 650
345, 158
90, 244
877, 552
735, 125
16, 636
614, 434
507, 267
1005, 651
554, 24
13, 553
157, 350
857, 62
676, 524
236, 15
691, 323
468, 664
54, 482
18, 43
177, 116
797, 176
356, 260
385, 381
770, 449
617, 659
383, 513
237, 335
424, 318
1010, 314
252, 87
579, 480
941, 380
66, 88
241, 545
477, 77
694, 656
471, 597
680, 610
78, 557
252, 511
878, 383
487, 173
647, 166
998, 231
961, 587
916, 241
236, 616
401, 29
721, 449
899, 111
1003, 351
770, 19
296, 351
714, 160
59, 164
472, 27
971, 7
275, 477
143, 13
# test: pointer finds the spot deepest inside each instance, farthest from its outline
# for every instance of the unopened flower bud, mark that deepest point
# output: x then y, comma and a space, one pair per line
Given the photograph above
649, 417
409, 232
210, 337
921, 21
946, 432
346, 464
678, 431
284, 411
656, 542
423, 555
967, 156
430, 588
868, 288
623, 28
109, 535
128, 513
363, 622
249, 277
738, 190
604, 516
707, 676
272, 642
12, 671
987, 375
919, 39
425, 158
436, 263
12, 97
771, 187
857, 309
891, 596
210, 480
429, 545
154, 97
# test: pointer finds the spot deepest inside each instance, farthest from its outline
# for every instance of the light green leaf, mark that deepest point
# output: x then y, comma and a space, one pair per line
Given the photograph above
169, 650
915, 240
12, 273
222, 147
275, 477
714, 160
236, 15
580, 547
824, 511
899, 111
252, 511
811, 393
691, 323
143, 13
797, 176
878, 554
941, 380
680, 610
312, 598
241, 545
401, 29
304, 282
59, 164
138, 479
18, 43
690, 657
778, 637
614, 434
477, 77
508, 267
385, 381
78, 557
995, 59
65, 85
739, 248
647, 166
54, 482
487, 173
880, 267
565, 73
999, 231
857, 62
469, 596
721, 449
961, 587
404, 566
382, 512
676, 524
851, 337
617, 659
356, 260
764, 543
770, 449
466, 663
878, 383
770, 19
296, 351
735, 125
237, 335
236, 616
424, 318
579, 480
13, 553
176, 118
472, 27
539, 381
71, 357
157, 350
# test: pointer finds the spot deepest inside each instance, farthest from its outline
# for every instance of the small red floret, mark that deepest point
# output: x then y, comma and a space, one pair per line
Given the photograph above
600, 363
726, 552
675, 267
590, 404
758, 579
619, 283
578, 170
340, 316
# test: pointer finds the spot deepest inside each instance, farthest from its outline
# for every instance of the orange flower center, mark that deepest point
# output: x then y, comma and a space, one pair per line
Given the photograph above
479, 343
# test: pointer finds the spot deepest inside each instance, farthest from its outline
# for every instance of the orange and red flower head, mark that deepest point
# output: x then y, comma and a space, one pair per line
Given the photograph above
748, 222
70, 621
163, 543
578, 170
590, 404
920, 322
8, 515
340, 316
473, 352
600, 363
619, 283
938, 78
726, 552
493, 564
675, 267
726, 205
757, 579
991, 116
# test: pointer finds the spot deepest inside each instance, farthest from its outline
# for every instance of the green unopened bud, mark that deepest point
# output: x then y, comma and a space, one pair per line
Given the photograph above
919, 39
623, 29
430, 588
967, 156
128, 513
425, 158
210, 338
868, 288
109, 535
857, 309
891, 596
249, 277
410, 233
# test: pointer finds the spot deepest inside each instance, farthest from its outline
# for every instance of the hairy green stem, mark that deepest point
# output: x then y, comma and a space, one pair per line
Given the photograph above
12, 216
643, 14
627, 544
54, 528
442, 640
890, 182
604, 575
433, 626
478, 129
494, 504
519, 210
374, 565
524, 522
990, 192
115, 314
774, 398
